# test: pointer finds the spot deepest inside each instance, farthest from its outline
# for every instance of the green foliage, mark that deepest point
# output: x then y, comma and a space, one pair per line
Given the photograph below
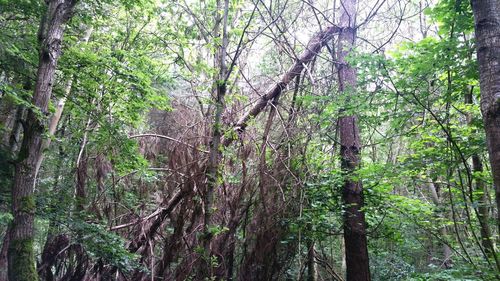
389, 266
107, 246
461, 272
417, 132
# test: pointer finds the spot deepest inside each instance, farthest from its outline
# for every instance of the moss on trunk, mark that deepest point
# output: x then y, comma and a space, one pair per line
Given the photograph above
22, 261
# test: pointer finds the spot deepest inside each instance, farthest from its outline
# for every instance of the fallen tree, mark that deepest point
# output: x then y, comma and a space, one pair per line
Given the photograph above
317, 42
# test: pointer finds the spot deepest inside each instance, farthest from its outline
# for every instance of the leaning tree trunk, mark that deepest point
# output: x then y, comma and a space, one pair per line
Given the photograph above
21, 256
356, 248
487, 27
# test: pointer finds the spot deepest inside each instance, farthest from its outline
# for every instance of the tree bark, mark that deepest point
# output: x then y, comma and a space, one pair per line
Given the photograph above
311, 263
482, 209
317, 42
350, 145
215, 153
21, 253
487, 28
436, 199
54, 121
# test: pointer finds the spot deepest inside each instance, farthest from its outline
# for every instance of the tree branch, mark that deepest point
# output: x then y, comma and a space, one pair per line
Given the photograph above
312, 50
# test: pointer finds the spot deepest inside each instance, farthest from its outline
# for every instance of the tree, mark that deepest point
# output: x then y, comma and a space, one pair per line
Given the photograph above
20, 254
245, 139
356, 247
487, 28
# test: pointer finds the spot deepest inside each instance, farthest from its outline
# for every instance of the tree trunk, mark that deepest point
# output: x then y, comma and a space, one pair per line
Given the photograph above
311, 263
314, 46
482, 196
212, 173
487, 28
350, 146
436, 199
54, 121
482, 208
21, 256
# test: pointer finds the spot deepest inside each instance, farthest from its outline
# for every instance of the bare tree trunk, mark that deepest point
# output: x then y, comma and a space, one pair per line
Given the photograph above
311, 263
215, 153
433, 190
487, 28
13, 147
313, 48
482, 208
3, 254
482, 197
350, 145
21, 253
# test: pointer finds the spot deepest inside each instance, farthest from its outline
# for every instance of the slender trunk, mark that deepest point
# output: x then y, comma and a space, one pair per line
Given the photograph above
171, 247
215, 153
3, 254
311, 264
433, 190
482, 208
487, 28
21, 256
350, 145
81, 182
482, 195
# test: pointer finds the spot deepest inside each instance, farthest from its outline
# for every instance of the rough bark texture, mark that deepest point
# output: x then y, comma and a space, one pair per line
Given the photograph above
487, 27
350, 146
21, 255
54, 121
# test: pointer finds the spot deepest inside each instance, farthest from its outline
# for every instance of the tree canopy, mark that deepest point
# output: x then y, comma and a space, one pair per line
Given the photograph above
249, 140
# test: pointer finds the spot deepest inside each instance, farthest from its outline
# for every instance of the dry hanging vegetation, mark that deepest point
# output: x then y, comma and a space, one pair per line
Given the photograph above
249, 140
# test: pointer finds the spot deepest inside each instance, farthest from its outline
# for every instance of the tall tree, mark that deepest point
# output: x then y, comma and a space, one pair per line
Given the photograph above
356, 248
487, 28
219, 91
21, 253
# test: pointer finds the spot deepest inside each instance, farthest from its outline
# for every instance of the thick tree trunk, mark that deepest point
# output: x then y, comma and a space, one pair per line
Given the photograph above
487, 27
54, 121
350, 146
21, 253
